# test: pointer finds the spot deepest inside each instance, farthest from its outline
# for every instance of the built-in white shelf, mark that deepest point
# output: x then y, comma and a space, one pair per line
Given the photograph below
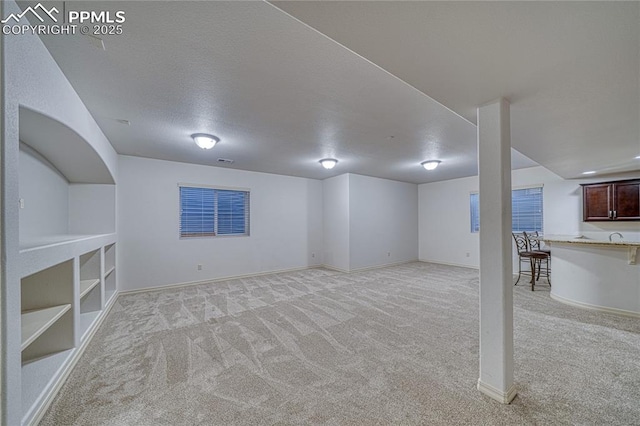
36, 322
87, 285
51, 240
86, 321
37, 376
109, 271
36, 255
109, 294
58, 288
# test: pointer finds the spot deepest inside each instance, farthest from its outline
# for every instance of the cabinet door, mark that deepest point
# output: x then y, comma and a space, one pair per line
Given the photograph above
626, 201
597, 202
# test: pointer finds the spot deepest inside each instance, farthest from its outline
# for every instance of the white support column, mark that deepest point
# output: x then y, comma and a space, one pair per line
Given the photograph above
496, 276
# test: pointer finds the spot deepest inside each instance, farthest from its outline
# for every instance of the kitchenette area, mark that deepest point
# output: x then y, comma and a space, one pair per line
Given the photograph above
596, 272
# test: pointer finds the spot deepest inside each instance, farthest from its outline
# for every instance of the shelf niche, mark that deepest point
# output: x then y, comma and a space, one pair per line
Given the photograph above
109, 271
66, 190
47, 314
89, 291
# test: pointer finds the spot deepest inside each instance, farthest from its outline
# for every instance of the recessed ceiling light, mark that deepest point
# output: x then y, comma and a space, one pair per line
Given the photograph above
590, 172
328, 163
205, 141
430, 164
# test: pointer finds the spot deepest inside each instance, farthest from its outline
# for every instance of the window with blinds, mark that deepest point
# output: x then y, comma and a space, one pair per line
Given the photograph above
209, 212
526, 210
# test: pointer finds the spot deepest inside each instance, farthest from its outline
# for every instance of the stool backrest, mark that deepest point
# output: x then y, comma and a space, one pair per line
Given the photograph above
522, 243
534, 243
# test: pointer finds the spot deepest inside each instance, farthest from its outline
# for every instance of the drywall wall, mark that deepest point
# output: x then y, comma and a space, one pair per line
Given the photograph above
444, 223
444, 215
286, 225
51, 206
92, 209
44, 192
336, 222
383, 222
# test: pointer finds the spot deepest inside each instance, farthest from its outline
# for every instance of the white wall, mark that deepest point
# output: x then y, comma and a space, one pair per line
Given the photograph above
52, 206
383, 222
286, 225
92, 209
444, 222
45, 192
336, 222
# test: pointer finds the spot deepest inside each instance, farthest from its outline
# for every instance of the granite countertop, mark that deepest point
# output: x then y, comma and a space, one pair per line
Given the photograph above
581, 239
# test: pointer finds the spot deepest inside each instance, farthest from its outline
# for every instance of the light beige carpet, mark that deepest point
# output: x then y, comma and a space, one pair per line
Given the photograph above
396, 345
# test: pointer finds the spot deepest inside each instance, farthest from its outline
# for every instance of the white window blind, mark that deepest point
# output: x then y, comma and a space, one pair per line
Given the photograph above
475, 213
207, 212
526, 210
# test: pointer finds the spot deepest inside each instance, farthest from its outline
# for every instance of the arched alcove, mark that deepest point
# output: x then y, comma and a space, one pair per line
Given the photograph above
65, 149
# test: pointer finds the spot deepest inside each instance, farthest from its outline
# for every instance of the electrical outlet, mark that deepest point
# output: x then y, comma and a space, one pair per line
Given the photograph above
22, 203
199, 267
468, 254
313, 255
388, 254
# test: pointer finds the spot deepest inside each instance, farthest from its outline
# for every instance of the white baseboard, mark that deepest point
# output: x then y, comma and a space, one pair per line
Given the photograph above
215, 280
385, 265
335, 268
369, 268
68, 368
459, 265
498, 395
594, 307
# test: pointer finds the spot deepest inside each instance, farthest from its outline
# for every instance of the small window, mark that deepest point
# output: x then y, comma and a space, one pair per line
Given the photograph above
475, 213
526, 210
210, 212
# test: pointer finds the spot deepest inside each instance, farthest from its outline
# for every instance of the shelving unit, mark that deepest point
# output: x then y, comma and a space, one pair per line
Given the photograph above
109, 271
47, 326
36, 322
87, 285
62, 169
47, 318
90, 293
61, 305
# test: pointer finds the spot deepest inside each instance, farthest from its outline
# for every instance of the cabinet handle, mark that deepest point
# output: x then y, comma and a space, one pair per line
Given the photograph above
615, 214
610, 214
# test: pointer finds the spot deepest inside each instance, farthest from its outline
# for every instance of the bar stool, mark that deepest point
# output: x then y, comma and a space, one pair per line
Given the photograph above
541, 254
524, 255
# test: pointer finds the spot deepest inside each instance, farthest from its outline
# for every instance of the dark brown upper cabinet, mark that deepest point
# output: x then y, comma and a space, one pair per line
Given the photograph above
607, 201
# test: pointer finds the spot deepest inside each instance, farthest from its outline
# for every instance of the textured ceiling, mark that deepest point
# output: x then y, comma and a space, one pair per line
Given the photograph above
571, 70
280, 95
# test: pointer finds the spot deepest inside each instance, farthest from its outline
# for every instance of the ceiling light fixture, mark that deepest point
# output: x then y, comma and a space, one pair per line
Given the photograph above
590, 172
205, 141
328, 163
430, 164
638, 157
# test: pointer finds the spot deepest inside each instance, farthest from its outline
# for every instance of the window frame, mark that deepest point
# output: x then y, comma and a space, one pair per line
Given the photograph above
518, 188
219, 188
